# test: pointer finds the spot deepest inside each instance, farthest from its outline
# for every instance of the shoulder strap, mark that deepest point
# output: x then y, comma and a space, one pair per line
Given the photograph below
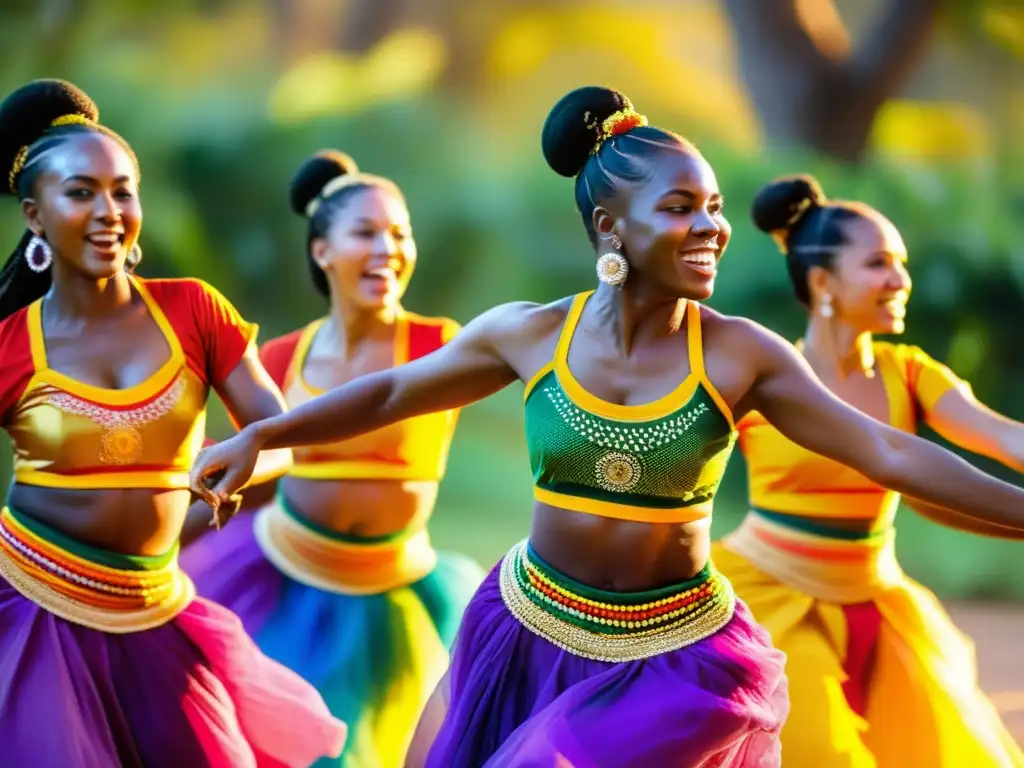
301, 350
572, 319
694, 340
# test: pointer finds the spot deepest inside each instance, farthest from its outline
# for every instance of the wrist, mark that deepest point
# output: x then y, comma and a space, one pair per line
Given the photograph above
259, 433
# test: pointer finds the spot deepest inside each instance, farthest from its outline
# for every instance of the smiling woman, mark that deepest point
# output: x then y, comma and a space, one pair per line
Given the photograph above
336, 576
103, 390
878, 673
608, 637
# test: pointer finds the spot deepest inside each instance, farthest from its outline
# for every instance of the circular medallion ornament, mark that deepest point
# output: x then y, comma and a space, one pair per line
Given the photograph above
122, 445
617, 471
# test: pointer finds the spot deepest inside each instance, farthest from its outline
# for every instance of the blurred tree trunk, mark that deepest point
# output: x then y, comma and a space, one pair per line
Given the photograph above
367, 22
808, 85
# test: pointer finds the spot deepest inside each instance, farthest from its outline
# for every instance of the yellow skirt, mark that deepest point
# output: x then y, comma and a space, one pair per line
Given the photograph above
922, 705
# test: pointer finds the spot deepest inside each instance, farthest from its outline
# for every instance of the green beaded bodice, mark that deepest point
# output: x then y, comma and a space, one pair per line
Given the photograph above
658, 462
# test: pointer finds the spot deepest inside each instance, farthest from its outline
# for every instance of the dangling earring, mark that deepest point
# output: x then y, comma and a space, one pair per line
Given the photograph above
612, 267
38, 254
825, 310
134, 257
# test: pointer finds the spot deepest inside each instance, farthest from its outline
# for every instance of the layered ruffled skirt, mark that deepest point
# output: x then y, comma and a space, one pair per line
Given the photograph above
367, 622
878, 674
550, 672
108, 660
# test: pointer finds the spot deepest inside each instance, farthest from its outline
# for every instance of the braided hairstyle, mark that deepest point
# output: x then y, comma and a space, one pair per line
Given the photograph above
320, 189
806, 225
577, 143
35, 119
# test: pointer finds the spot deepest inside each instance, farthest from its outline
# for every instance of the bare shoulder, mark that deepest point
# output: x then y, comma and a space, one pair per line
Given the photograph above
521, 320
739, 335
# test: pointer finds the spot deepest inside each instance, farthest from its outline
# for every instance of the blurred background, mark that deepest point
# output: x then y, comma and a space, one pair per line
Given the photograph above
915, 106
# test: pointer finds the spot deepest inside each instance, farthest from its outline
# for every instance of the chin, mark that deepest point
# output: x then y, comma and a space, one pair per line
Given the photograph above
890, 327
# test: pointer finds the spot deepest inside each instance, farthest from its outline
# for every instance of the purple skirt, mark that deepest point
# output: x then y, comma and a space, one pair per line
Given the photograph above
514, 699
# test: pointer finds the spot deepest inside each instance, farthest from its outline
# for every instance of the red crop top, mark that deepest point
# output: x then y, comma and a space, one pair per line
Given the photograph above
68, 434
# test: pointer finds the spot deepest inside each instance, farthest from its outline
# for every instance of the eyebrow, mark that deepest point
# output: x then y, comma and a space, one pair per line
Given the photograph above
687, 193
90, 180
374, 222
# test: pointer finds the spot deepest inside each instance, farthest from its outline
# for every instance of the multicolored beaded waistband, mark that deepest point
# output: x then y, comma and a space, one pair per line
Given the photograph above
828, 566
317, 557
609, 626
93, 587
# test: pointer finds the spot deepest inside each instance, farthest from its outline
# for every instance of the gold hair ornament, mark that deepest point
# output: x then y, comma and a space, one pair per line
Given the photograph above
616, 124
332, 186
22, 155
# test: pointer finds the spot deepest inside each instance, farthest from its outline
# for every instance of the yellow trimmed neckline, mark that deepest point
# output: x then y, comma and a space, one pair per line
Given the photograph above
656, 409
144, 390
400, 350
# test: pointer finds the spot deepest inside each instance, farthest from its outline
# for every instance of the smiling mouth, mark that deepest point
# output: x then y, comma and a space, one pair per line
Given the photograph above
897, 308
108, 241
702, 260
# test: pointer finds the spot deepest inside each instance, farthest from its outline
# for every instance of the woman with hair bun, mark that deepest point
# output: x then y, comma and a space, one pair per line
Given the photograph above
336, 576
608, 638
106, 655
878, 674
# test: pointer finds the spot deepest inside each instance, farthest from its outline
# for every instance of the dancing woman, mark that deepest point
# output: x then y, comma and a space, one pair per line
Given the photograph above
608, 638
878, 674
107, 658
336, 577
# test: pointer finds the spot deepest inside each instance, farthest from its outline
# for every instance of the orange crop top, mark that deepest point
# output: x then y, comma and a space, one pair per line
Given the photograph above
68, 434
784, 477
414, 449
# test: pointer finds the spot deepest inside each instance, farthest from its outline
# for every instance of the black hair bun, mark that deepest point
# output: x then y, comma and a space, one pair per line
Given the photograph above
571, 129
28, 112
783, 202
314, 174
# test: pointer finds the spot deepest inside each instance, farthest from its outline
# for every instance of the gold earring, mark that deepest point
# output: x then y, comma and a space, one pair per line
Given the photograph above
612, 267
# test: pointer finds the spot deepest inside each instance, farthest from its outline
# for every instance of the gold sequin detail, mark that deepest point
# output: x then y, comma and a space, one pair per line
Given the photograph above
617, 471
612, 648
122, 442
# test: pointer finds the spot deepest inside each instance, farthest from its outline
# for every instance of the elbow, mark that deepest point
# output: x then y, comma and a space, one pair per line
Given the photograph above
887, 464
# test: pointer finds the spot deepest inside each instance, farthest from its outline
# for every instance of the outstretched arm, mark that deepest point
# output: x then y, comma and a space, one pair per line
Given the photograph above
249, 394
791, 397
469, 368
960, 418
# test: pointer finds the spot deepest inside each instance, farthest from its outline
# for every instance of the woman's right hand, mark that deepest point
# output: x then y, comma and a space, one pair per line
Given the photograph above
223, 469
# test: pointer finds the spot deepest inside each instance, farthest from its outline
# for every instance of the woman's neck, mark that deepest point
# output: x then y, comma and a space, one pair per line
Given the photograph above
351, 327
635, 315
832, 345
74, 295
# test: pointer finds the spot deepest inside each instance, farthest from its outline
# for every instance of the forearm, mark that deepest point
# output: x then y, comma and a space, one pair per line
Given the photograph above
964, 521
924, 471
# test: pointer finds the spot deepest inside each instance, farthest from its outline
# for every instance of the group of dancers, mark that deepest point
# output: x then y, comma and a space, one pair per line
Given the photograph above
320, 626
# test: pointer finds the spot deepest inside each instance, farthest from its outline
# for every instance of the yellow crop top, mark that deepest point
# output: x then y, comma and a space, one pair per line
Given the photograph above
414, 449
68, 434
784, 477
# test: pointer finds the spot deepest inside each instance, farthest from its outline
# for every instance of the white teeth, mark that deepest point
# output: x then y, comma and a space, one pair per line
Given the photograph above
384, 272
700, 258
104, 240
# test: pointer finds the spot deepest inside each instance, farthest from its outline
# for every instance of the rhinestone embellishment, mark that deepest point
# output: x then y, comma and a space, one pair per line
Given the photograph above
623, 437
122, 442
617, 471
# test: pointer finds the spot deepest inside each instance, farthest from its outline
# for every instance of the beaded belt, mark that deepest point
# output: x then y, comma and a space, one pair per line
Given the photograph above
844, 571
333, 562
89, 586
610, 626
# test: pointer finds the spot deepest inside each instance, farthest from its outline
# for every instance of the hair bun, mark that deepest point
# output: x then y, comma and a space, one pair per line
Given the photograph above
782, 203
28, 112
314, 174
571, 129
